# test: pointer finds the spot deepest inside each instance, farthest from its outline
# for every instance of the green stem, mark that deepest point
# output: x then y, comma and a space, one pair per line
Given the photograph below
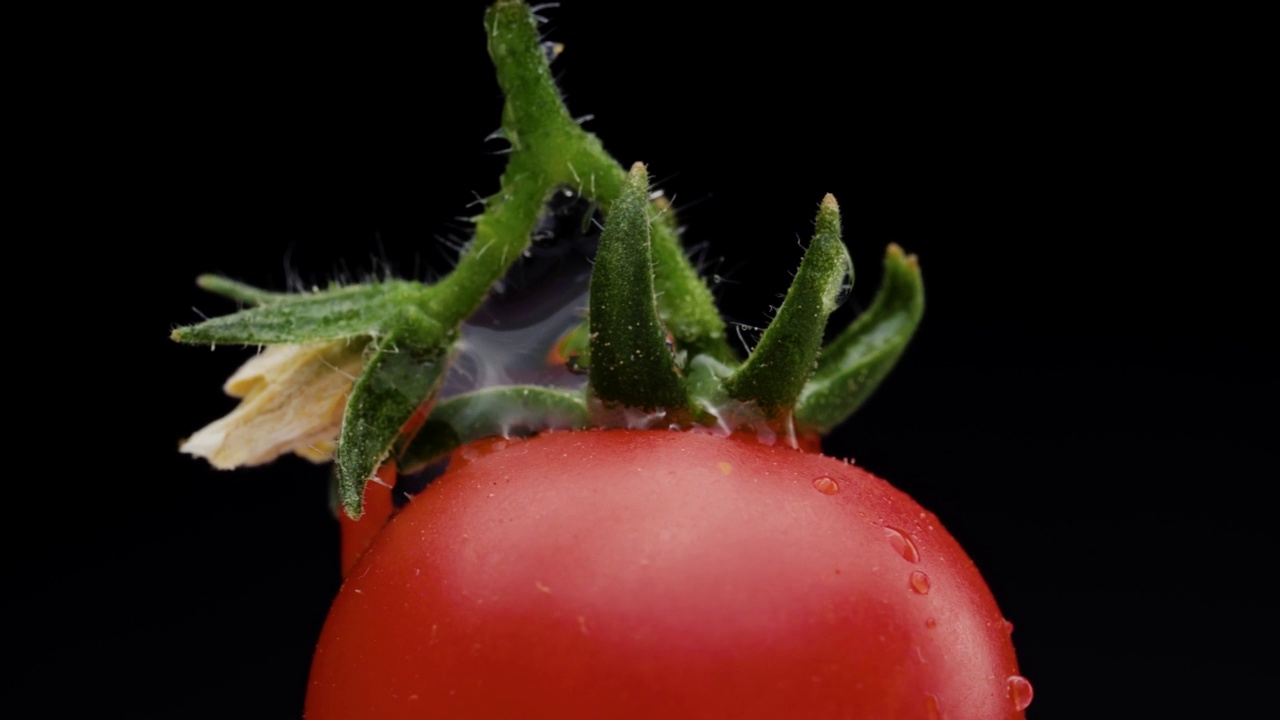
549, 149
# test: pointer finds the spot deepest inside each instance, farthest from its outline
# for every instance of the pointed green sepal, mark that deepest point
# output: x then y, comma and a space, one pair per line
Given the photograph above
402, 375
511, 411
236, 290
855, 363
780, 365
324, 315
684, 301
631, 363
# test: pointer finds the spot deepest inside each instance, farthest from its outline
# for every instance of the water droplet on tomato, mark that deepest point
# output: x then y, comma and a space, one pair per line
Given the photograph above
931, 711
1008, 626
1020, 692
826, 485
919, 583
931, 623
901, 543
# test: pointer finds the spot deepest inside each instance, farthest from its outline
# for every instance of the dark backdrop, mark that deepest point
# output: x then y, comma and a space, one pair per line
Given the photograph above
1075, 407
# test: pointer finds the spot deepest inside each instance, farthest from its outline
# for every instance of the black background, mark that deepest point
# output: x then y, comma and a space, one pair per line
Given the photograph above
1076, 407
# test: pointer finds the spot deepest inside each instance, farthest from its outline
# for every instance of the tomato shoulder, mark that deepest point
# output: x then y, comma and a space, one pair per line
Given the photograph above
637, 574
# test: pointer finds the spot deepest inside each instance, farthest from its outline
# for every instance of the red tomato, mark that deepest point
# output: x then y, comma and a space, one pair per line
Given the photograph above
379, 506
629, 574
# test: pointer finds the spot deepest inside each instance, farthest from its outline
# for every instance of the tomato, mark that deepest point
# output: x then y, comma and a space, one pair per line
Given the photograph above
641, 574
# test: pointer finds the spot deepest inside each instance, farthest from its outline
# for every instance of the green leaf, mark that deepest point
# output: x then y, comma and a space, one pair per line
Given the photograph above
780, 365
855, 363
631, 364
517, 410
403, 374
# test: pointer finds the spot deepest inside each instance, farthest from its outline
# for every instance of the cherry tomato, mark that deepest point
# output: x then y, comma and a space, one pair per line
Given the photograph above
643, 574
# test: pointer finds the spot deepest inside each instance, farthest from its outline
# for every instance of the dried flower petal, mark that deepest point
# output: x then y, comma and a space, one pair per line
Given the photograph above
293, 398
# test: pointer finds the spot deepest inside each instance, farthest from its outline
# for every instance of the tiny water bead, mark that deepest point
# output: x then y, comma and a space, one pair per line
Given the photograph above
902, 544
1020, 691
931, 623
919, 582
826, 485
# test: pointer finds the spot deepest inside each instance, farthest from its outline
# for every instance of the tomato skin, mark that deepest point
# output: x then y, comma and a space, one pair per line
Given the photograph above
379, 506
625, 574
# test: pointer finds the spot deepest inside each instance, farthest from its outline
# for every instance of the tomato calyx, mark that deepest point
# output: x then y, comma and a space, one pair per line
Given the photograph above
652, 347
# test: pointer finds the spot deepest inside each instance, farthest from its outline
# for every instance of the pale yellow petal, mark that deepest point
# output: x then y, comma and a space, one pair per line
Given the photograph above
320, 452
253, 374
294, 398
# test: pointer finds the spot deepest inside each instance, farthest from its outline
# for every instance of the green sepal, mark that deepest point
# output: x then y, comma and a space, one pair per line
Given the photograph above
237, 290
301, 318
855, 363
516, 410
780, 365
631, 363
402, 375
685, 303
